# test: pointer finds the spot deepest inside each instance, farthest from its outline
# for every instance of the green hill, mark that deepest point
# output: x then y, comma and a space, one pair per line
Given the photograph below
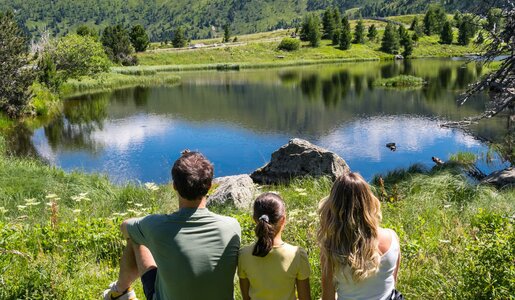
199, 17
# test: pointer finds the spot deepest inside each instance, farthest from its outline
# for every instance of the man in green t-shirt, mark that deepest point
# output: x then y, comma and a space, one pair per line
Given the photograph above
189, 254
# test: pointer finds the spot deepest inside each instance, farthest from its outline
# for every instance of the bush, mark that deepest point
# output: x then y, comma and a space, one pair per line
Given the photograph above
289, 44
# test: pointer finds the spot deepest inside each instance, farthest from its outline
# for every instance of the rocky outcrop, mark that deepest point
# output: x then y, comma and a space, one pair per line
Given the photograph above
300, 158
502, 178
237, 191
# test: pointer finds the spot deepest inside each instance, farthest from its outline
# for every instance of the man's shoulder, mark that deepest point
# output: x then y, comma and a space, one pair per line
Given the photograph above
229, 222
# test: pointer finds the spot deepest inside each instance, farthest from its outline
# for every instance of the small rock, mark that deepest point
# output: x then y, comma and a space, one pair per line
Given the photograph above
237, 191
300, 158
502, 178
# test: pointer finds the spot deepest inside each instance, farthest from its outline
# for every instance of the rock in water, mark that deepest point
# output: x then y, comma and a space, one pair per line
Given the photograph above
502, 178
300, 158
237, 191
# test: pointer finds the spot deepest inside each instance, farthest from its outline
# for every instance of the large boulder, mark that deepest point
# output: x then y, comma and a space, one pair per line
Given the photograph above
237, 191
502, 178
300, 158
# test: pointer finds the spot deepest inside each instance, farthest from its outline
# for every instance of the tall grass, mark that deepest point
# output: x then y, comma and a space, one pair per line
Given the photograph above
111, 81
70, 248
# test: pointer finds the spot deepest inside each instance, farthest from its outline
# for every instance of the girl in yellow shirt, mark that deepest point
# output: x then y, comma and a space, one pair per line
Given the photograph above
270, 268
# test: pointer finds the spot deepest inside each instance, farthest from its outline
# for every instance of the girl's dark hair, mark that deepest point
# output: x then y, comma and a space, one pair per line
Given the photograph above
268, 210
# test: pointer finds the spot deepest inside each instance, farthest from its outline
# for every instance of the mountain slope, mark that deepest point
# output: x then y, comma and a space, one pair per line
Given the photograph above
161, 17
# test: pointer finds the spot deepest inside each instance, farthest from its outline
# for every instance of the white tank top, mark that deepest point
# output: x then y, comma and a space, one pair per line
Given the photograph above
376, 287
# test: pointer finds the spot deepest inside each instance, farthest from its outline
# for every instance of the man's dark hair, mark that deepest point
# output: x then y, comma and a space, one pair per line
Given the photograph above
192, 174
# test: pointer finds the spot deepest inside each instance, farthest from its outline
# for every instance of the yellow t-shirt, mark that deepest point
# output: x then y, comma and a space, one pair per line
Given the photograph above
273, 276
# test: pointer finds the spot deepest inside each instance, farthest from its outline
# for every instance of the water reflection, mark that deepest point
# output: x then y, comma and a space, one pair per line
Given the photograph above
239, 118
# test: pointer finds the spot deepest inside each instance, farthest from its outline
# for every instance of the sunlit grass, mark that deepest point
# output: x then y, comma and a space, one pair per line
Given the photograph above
59, 231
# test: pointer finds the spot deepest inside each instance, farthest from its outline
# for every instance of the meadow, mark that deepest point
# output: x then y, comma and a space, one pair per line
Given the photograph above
59, 235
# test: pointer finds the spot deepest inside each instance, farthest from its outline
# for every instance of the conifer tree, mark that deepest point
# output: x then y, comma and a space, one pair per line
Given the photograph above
446, 36
434, 19
405, 41
372, 33
345, 36
227, 34
416, 26
179, 39
15, 75
328, 24
117, 45
390, 43
139, 38
467, 29
359, 33
310, 30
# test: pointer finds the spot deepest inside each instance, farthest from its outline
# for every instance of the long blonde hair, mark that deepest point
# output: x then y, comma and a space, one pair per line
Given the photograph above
349, 224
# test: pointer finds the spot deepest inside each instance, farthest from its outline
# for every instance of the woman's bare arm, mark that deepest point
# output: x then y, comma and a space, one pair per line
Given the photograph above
244, 287
303, 289
328, 289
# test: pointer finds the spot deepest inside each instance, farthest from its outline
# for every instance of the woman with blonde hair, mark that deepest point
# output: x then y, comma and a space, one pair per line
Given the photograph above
359, 259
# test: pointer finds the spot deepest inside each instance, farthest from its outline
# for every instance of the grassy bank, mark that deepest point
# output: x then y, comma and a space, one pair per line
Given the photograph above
59, 232
401, 81
111, 81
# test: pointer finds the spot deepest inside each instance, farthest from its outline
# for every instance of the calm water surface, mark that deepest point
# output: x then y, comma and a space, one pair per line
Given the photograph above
237, 119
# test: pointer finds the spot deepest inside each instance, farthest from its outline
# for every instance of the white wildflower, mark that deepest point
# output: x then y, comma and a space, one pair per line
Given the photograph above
3, 210
300, 190
52, 196
444, 241
76, 211
21, 207
138, 204
303, 194
151, 186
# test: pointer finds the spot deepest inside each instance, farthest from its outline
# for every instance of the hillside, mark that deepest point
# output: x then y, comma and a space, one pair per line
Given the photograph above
161, 17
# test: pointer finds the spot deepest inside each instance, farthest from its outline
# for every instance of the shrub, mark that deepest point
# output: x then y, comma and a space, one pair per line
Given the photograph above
289, 44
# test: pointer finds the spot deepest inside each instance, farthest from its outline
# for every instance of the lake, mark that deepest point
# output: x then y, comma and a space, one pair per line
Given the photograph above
238, 118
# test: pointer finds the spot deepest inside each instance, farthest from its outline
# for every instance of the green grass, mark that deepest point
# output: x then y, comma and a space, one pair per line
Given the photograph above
401, 81
451, 232
111, 81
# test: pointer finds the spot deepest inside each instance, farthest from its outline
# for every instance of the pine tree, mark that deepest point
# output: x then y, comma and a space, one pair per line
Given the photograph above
372, 33
15, 75
227, 34
359, 33
434, 19
390, 43
467, 29
117, 45
417, 27
139, 38
310, 30
446, 36
345, 36
328, 24
405, 41
84, 30
179, 39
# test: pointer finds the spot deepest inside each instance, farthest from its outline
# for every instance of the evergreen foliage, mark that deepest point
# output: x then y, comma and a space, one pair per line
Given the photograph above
467, 29
328, 24
139, 38
372, 33
390, 43
15, 73
117, 45
345, 36
310, 30
434, 19
85, 30
161, 17
480, 39
336, 36
47, 73
405, 41
179, 39
227, 34
359, 33
494, 21
416, 26
446, 36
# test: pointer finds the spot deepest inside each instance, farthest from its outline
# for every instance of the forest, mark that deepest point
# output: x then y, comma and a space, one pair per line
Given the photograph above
201, 19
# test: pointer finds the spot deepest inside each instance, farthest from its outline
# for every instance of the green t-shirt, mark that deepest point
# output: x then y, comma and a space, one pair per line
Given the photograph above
196, 252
